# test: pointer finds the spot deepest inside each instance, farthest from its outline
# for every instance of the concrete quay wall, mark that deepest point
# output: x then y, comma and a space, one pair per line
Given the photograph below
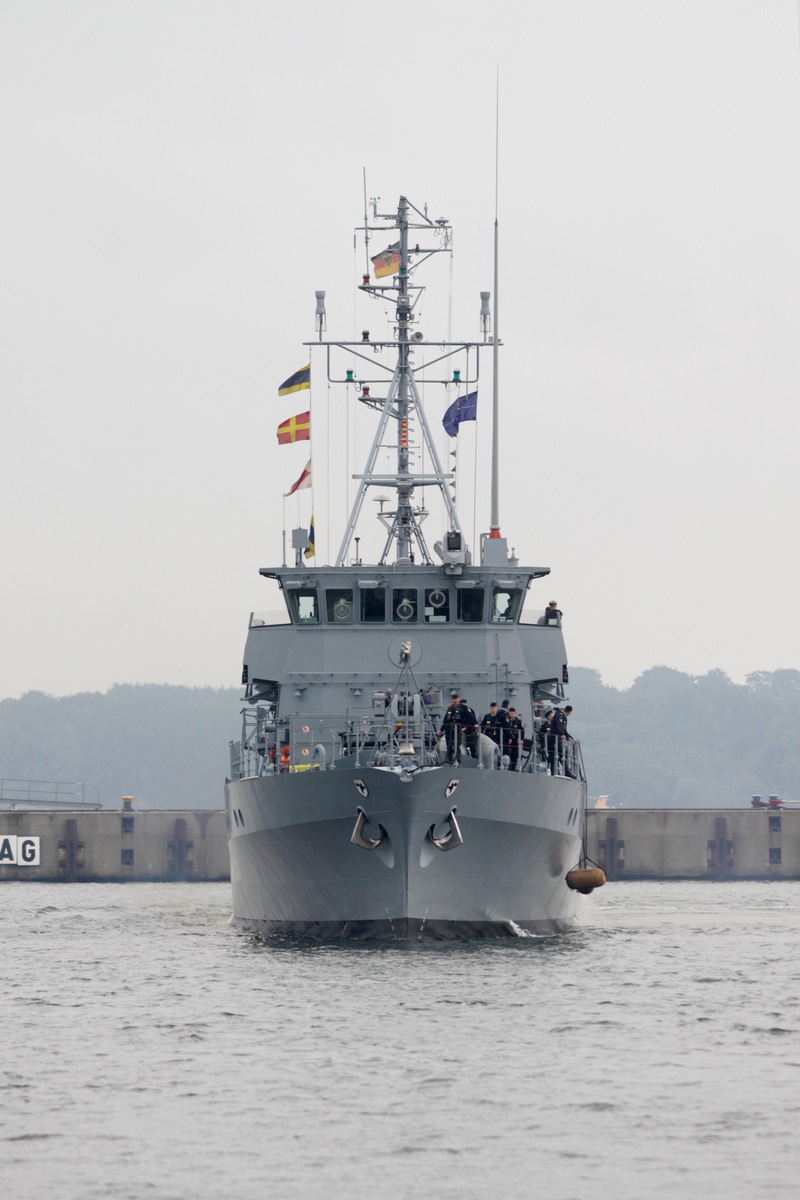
695, 843
150, 845
145, 845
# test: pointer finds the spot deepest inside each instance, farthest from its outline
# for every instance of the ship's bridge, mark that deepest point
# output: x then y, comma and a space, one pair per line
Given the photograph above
339, 637
410, 597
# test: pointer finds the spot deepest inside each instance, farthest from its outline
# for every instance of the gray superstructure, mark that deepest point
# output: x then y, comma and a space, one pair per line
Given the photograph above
345, 817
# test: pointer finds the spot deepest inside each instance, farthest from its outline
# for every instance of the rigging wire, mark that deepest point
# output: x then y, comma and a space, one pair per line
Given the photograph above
327, 480
474, 480
454, 452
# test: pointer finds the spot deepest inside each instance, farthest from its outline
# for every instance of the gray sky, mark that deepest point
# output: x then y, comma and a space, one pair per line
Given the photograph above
180, 176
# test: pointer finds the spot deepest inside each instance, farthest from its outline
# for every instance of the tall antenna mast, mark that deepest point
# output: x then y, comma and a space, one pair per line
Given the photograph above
494, 522
366, 225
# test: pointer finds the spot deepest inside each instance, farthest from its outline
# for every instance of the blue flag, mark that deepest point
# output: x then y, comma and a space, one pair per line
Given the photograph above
465, 408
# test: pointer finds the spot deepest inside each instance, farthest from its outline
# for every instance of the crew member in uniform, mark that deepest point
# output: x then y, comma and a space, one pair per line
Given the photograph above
502, 726
560, 718
547, 740
516, 732
459, 716
450, 727
469, 723
490, 725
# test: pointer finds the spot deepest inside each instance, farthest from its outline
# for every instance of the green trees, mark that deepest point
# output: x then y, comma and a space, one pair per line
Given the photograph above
680, 741
165, 746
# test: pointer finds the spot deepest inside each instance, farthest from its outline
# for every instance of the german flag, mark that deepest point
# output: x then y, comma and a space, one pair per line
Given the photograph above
296, 429
295, 383
387, 262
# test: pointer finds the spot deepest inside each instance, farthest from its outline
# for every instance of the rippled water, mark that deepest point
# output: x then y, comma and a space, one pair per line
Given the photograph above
149, 1050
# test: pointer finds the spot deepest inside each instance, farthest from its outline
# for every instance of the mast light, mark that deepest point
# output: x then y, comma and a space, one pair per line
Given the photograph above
320, 315
456, 377
486, 316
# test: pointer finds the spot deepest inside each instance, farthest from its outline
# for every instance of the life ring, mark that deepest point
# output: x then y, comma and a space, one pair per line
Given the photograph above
342, 611
437, 598
404, 610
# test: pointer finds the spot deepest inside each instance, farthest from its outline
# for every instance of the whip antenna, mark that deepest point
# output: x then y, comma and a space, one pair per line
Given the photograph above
494, 523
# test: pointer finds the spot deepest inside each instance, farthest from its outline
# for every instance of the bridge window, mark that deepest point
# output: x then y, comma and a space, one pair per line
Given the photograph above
505, 604
469, 605
437, 605
303, 605
404, 605
373, 605
339, 605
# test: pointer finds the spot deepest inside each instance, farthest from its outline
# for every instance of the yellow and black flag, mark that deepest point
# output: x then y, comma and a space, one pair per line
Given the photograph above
311, 549
295, 383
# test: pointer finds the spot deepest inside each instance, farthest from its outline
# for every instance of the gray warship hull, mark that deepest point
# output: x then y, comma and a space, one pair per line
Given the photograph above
367, 797
295, 868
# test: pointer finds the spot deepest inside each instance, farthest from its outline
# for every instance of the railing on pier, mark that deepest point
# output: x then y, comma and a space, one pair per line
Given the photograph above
42, 793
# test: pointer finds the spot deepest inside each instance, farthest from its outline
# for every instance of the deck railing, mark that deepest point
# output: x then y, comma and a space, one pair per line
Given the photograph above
364, 739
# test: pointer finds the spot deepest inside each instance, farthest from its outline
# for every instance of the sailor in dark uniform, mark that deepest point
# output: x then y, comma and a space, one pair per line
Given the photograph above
502, 726
516, 732
459, 716
563, 738
547, 740
450, 727
469, 723
490, 725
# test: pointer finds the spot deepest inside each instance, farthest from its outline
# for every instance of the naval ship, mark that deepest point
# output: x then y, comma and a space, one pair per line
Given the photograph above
360, 804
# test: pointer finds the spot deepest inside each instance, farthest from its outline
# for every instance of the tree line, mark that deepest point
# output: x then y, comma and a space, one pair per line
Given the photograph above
670, 740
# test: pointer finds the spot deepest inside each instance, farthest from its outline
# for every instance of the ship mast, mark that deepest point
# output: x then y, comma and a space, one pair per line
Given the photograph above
402, 413
405, 519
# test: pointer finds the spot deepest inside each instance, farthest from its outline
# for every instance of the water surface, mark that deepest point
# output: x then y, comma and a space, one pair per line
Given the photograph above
149, 1050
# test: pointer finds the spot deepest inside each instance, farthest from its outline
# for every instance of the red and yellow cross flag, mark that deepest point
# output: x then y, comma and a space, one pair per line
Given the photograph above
296, 429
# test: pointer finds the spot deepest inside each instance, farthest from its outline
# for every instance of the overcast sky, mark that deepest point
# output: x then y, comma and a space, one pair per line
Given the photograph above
178, 179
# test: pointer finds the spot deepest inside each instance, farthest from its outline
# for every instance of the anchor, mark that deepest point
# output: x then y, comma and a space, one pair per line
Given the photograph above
357, 836
452, 838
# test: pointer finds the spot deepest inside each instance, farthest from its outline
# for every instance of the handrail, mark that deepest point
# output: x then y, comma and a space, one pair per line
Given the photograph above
45, 793
318, 743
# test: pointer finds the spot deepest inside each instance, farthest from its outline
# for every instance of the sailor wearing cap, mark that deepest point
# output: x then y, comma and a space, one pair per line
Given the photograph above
490, 724
552, 614
459, 716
